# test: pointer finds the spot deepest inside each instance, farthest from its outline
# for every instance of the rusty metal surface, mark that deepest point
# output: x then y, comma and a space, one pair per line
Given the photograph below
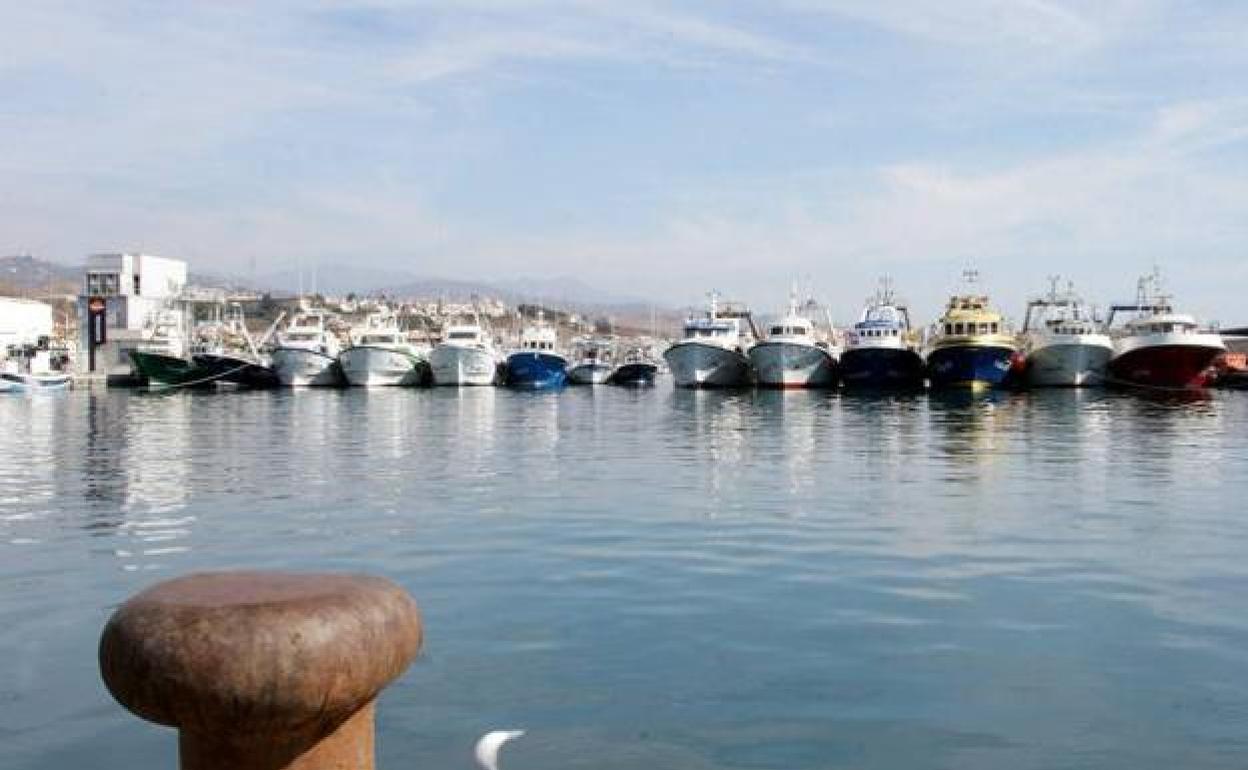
279, 667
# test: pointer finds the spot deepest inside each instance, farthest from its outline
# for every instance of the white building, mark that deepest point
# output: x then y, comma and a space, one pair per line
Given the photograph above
23, 322
136, 289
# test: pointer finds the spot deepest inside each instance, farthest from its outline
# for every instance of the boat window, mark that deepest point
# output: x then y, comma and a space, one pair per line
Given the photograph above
777, 330
957, 328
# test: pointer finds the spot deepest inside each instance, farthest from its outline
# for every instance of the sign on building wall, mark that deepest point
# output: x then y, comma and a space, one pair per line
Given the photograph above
97, 327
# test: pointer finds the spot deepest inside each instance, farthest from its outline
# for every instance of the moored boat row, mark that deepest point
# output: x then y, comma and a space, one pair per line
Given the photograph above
971, 345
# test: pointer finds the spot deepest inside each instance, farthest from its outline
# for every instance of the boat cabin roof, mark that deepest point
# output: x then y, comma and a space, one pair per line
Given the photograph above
1160, 322
971, 307
791, 326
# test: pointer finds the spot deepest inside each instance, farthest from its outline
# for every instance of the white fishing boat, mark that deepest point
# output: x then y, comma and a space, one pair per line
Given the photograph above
307, 352
30, 370
1063, 344
712, 353
381, 355
794, 355
593, 361
465, 356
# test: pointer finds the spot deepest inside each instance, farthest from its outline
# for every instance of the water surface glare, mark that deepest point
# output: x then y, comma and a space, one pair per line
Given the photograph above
663, 579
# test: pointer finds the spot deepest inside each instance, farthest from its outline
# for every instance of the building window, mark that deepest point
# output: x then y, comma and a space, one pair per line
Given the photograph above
103, 284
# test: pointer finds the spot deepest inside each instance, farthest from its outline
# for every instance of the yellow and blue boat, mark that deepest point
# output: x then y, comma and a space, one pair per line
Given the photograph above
971, 346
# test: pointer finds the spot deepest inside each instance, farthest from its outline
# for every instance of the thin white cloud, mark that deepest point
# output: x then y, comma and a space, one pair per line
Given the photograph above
997, 24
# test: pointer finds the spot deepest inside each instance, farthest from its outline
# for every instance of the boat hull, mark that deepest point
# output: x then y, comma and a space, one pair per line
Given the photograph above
698, 365
535, 370
1165, 366
461, 365
590, 373
878, 368
298, 367
1072, 365
238, 371
792, 365
171, 371
12, 382
637, 374
970, 365
368, 366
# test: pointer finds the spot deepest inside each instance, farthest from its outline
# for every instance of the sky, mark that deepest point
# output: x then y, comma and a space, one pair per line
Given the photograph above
656, 150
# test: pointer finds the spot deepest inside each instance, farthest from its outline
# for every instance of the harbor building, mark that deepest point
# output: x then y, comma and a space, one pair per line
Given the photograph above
23, 322
125, 297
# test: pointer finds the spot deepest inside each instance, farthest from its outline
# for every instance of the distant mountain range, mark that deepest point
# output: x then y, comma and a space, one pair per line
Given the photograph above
23, 274
341, 280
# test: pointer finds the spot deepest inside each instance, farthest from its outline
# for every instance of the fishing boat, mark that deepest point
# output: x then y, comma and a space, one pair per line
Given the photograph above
793, 355
238, 360
636, 370
536, 364
880, 351
29, 369
1159, 348
712, 352
971, 345
381, 355
307, 352
1063, 344
465, 356
162, 359
592, 361
164, 370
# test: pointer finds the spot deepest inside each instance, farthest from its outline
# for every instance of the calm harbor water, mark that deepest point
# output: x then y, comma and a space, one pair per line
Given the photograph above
662, 579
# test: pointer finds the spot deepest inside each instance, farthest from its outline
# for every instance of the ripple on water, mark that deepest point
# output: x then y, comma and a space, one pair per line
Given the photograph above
695, 580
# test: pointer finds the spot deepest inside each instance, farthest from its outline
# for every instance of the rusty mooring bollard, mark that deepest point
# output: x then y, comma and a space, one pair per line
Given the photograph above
261, 670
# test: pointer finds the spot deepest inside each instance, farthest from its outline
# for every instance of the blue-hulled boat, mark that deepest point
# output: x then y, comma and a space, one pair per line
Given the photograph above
536, 364
971, 345
880, 352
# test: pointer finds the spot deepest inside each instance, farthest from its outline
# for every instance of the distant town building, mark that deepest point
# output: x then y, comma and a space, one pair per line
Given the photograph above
23, 322
135, 289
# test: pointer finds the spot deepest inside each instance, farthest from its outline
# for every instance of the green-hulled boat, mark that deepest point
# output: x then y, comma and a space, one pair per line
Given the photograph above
161, 369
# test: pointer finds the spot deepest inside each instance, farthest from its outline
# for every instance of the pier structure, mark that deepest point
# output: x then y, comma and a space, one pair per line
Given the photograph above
122, 295
262, 670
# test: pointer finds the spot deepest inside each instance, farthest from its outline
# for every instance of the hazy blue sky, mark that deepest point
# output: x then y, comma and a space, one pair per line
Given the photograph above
654, 148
